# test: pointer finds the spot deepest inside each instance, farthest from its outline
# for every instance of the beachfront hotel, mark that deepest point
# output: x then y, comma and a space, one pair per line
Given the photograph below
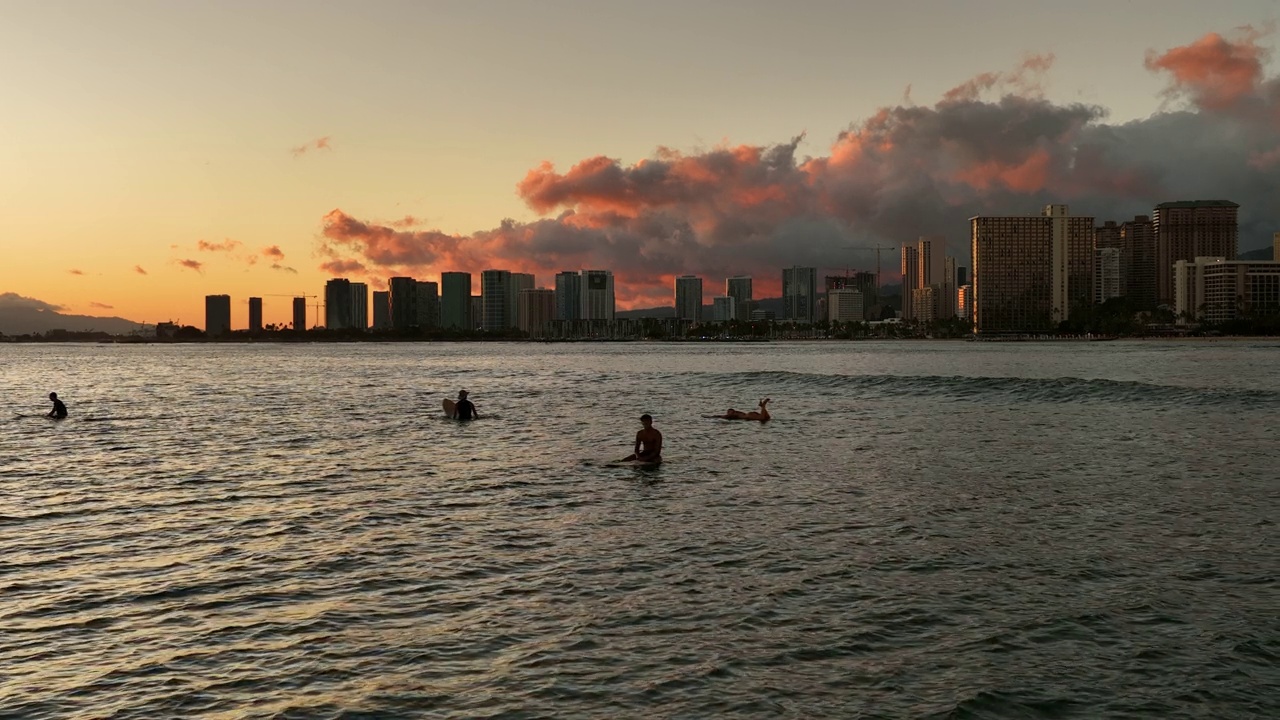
1029, 270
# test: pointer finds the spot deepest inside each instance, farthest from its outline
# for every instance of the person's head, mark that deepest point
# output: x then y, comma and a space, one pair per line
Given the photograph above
646, 420
53, 396
462, 394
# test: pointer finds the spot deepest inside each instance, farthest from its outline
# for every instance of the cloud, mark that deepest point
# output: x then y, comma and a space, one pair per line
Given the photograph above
282, 268
74, 271
103, 306
343, 266
993, 144
14, 301
1215, 72
317, 144
273, 252
191, 264
227, 245
138, 269
407, 221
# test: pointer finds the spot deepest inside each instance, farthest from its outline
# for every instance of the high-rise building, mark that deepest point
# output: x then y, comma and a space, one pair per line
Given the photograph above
535, 309
800, 295
1275, 247
739, 288
568, 295
404, 302
255, 314
381, 310
863, 282
338, 311
689, 298
910, 279
359, 306
962, 276
924, 304
1217, 290
1030, 271
1138, 261
519, 281
724, 308
428, 304
217, 315
1108, 265
845, 305
964, 301
300, 314
597, 295
947, 290
494, 288
1108, 274
455, 300
477, 311
1189, 229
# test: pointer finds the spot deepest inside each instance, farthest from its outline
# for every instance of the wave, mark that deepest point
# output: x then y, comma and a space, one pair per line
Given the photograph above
1010, 389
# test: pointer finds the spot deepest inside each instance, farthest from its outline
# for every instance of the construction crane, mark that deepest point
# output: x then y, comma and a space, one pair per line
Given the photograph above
316, 305
877, 249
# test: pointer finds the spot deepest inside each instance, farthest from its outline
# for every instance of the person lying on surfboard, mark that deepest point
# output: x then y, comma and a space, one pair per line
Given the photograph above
464, 409
648, 443
762, 414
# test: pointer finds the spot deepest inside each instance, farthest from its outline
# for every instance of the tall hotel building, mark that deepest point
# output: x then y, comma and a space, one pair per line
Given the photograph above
1030, 271
404, 302
359, 306
689, 298
494, 286
381, 310
1138, 261
300, 314
535, 309
800, 294
845, 305
1190, 229
1108, 262
927, 291
518, 283
568, 295
597, 295
455, 300
255, 314
337, 304
739, 288
428, 304
217, 315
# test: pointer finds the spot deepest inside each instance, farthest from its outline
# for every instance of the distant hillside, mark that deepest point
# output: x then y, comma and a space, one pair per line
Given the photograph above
1259, 254
26, 316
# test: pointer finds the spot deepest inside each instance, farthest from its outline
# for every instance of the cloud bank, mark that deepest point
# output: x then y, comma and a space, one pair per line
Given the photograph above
991, 145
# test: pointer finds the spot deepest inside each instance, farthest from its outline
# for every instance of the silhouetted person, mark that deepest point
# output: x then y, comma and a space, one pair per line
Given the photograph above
59, 410
464, 409
648, 443
762, 415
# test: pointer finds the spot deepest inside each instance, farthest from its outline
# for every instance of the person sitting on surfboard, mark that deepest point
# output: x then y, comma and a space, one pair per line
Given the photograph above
648, 443
731, 414
463, 409
59, 410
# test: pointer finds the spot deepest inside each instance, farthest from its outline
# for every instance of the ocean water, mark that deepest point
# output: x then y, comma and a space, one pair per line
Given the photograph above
926, 529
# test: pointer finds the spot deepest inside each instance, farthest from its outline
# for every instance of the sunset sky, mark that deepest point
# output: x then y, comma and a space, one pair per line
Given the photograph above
155, 152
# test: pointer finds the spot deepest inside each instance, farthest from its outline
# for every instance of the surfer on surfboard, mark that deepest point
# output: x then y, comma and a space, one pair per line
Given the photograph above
648, 443
59, 410
762, 414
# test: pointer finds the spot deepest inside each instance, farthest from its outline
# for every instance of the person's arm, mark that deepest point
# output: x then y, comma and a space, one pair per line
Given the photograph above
636, 450
657, 447
474, 412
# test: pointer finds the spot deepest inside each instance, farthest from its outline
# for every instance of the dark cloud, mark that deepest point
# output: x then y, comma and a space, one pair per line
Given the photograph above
283, 268
14, 301
102, 306
74, 271
191, 264
138, 269
906, 171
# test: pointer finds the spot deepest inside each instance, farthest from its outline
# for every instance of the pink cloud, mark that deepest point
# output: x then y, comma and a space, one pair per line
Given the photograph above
226, 245
191, 264
138, 269
317, 144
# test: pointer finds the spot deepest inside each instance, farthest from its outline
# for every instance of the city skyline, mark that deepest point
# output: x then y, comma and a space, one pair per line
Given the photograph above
115, 216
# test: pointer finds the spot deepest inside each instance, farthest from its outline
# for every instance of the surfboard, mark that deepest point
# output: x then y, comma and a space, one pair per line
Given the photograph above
449, 406
633, 464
